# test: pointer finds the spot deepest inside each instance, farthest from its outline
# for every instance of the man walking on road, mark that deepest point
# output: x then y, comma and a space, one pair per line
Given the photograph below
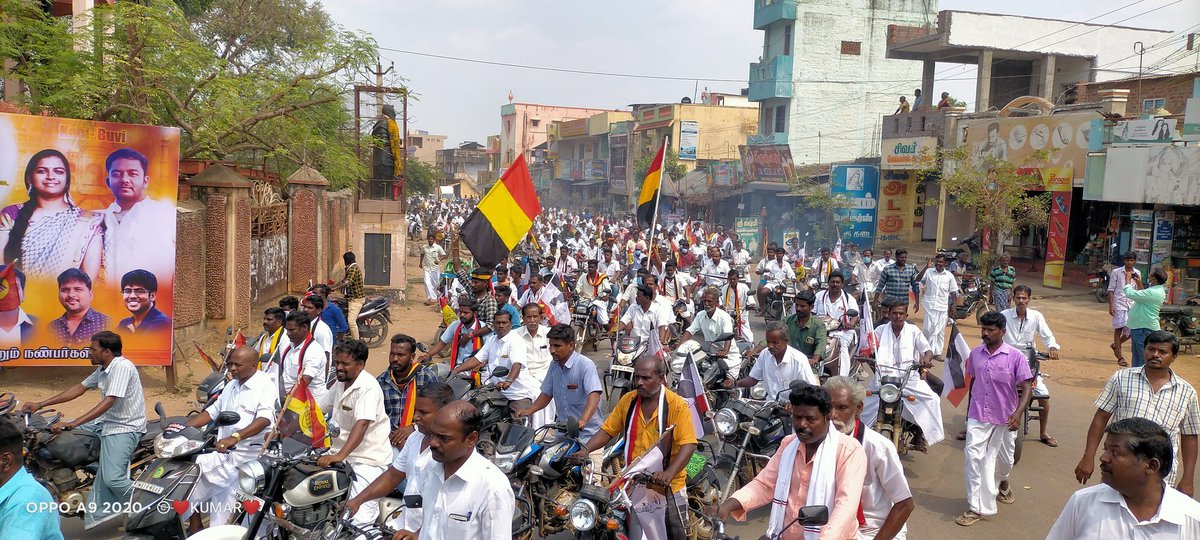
938, 289
1143, 314
897, 280
1118, 304
431, 266
999, 393
353, 290
1155, 392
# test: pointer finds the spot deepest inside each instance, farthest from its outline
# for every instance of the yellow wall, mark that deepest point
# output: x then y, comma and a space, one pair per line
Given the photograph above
722, 129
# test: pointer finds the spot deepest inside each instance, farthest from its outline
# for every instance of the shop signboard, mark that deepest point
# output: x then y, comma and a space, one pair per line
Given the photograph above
618, 151
689, 139
897, 205
747, 231
1064, 137
1058, 183
127, 266
724, 173
767, 163
908, 154
595, 169
1144, 130
859, 184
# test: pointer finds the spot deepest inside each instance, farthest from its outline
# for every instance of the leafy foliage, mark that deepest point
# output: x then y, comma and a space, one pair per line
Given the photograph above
642, 165
818, 196
245, 81
422, 177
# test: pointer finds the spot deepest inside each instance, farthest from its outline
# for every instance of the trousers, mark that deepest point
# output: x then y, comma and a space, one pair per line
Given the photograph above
354, 307
989, 460
1137, 337
112, 482
935, 329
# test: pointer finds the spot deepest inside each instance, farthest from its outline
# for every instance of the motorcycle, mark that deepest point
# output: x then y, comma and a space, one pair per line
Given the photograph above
890, 421
700, 352
834, 327
977, 299
747, 430
1099, 282
372, 320
780, 301
970, 246
587, 325
170, 477
66, 463
492, 405
1181, 321
291, 495
618, 378
1033, 411
679, 325
543, 475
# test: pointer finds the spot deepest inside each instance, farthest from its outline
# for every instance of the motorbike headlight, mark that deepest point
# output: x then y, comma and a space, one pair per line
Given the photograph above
758, 391
251, 476
174, 447
505, 462
726, 421
889, 393
583, 515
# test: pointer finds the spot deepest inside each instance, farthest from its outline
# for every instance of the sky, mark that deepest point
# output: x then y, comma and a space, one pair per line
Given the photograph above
707, 43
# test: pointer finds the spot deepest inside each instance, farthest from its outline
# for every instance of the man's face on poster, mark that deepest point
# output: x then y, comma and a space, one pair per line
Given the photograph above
137, 299
127, 180
75, 296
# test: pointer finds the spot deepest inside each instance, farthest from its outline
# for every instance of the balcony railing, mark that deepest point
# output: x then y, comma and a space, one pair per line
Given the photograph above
917, 124
769, 11
771, 79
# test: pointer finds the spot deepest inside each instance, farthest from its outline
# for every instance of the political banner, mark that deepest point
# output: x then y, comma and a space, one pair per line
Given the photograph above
87, 218
689, 139
747, 229
859, 184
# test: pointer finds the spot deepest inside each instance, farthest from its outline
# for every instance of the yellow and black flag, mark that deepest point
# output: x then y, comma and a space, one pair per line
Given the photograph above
648, 199
503, 216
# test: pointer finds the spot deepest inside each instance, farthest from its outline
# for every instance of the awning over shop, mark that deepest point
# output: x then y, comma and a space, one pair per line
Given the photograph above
653, 125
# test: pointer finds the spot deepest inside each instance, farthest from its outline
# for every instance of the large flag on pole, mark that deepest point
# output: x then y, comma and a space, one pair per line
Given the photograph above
301, 417
503, 216
648, 200
954, 372
691, 389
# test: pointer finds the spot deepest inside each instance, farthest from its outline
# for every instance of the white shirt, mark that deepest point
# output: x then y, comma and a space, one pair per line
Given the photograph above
12, 336
411, 461
534, 352
936, 288
822, 268
553, 299
876, 269
714, 274
741, 257
885, 485
1101, 512
675, 287
710, 328
256, 398
138, 238
898, 353
1023, 333
1116, 287
498, 353
611, 268
475, 503
566, 266
432, 257
774, 270
321, 333
646, 324
777, 375
584, 288
359, 400
315, 365
835, 309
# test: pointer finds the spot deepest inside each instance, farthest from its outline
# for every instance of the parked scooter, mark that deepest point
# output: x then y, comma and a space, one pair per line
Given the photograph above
170, 478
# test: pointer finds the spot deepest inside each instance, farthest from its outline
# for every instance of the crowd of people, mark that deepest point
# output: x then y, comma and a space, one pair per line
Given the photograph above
403, 426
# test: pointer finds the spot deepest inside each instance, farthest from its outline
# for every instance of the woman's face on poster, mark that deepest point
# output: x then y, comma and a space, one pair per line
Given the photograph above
49, 177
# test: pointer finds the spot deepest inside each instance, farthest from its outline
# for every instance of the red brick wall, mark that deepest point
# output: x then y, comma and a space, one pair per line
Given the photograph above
241, 263
303, 239
1176, 90
189, 268
215, 277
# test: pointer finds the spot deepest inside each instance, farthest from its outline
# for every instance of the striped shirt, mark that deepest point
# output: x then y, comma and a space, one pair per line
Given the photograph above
896, 281
120, 380
1003, 278
1128, 394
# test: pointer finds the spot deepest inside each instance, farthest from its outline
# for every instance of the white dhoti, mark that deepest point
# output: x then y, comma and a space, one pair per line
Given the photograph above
934, 328
844, 339
743, 331
363, 476
925, 412
989, 460
216, 485
431, 284
600, 309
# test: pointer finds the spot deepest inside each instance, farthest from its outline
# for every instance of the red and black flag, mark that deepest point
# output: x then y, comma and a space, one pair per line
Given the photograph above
503, 216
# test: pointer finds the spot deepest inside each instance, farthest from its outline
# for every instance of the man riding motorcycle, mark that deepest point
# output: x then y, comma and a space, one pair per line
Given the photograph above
774, 270
595, 287
899, 345
674, 287
836, 304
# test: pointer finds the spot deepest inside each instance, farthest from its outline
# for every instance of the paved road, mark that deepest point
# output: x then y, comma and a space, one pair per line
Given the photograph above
1042, 481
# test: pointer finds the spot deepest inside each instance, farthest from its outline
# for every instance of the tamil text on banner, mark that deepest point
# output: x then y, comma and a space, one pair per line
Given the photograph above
1057, 181
908, 154
896, 208
859, 184
747, 230
767, 163
89, 217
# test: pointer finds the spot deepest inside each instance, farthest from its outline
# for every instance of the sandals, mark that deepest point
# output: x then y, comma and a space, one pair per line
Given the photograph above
1005, 497
1050, 441
968, 518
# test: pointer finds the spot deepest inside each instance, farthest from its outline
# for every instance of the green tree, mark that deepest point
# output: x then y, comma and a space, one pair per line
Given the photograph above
818, 195
242, 80
422, 177
1004, 197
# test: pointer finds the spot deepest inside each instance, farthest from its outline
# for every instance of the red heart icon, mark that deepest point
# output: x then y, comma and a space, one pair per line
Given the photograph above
180, 506
251, 506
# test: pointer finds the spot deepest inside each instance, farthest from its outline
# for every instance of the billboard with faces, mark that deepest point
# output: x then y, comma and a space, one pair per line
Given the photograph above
87, 225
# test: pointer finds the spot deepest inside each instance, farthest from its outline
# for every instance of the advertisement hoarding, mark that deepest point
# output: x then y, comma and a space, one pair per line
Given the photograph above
908, 154
1064, 137
1058, 183
104, 195
860, 184
689, 139
767, 163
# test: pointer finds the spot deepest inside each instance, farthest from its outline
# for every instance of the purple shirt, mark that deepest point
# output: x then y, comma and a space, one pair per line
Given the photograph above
996, 385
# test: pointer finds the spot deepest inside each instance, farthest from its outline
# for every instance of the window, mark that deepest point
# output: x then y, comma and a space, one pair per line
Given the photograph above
536, 122
853, 48
415, 142
507, 126
1153, 104
787, 39
780, 118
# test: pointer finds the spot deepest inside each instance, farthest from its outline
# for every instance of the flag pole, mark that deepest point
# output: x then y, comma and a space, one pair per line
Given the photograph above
662, 171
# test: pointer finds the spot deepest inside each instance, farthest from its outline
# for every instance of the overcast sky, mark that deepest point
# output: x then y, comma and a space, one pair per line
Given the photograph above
699, 40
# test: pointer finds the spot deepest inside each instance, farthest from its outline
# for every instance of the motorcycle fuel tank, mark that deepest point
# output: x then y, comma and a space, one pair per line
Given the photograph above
317, 487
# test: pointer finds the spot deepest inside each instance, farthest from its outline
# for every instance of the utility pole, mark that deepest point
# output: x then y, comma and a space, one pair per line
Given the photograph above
1140, 50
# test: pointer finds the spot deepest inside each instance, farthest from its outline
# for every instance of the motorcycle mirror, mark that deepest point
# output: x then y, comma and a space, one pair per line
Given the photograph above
228, 418
852, 313
158, 409
499, 372
814, 515
333, 429
421, 347
572, 427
